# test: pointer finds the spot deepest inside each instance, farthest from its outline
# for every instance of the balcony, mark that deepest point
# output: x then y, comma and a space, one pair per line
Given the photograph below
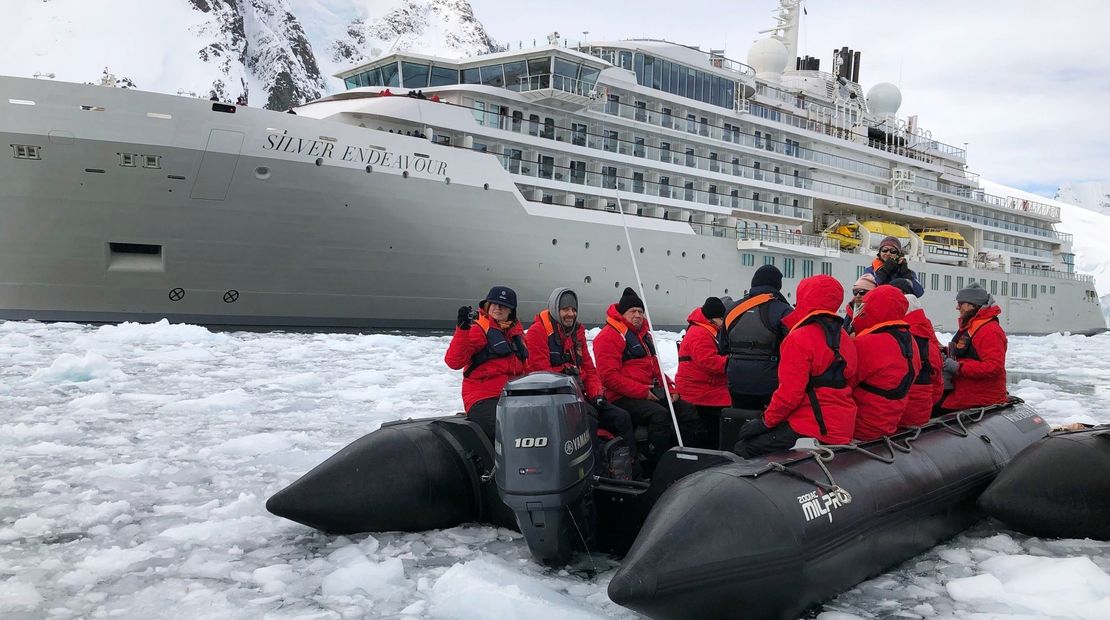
558, 91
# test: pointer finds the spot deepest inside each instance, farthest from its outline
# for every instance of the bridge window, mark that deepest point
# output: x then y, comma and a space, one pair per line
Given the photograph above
493, 75
390, 76
443, 76
414, 75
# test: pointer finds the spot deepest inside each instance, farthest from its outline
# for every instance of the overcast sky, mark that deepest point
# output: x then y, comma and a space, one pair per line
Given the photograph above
1025, 83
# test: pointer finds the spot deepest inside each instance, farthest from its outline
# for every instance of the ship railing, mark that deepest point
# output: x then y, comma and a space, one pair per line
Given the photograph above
1053, 273
1018, 249
1032, 207
985, 221
788, 237
562, 83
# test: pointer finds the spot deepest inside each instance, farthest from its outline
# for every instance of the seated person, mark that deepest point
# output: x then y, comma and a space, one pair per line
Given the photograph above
928, 388
888, 362
630, 374
976, 362
816, 368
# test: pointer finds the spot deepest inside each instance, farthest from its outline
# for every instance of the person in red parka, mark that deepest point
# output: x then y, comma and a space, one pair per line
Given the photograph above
976, 360
557, 343
817, 364
629, 369
488, 346
888, 362
927, 389
701, 367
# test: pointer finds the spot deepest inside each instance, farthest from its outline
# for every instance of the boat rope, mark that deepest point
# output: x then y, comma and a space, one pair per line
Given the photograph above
962, 417
581, 537
647, 314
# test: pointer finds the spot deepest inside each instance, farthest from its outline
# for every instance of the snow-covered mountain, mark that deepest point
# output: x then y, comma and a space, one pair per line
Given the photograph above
1092, 195
277, 53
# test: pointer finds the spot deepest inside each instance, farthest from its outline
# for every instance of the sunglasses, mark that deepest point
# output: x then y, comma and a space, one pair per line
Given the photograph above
889, 251
859, 293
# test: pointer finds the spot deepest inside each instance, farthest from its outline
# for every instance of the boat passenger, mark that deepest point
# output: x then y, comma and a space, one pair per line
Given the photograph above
488, 346
890, 263
928, 387
976, 361
629, 368
817, 366
889, 362
865, 283
557, 343
701, 366
753, 333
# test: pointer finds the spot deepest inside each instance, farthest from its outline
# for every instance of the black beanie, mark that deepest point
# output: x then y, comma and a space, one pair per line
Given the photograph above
768, 275
629, 299
713, 308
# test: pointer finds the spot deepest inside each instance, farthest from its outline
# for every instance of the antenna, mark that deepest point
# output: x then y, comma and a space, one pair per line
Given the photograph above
647, 314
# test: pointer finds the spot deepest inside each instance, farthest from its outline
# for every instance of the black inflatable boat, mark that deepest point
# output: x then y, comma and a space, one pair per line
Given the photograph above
711, 535
1058, 487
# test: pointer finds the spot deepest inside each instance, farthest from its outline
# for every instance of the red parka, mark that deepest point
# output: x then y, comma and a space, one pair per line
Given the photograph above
701, 368
980, 347
487, 379
572, 350
805, 355
924, 395
888, 362
620, 377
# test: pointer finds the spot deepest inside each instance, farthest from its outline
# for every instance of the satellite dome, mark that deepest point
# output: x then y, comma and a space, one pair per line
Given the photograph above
884, 98
768, 56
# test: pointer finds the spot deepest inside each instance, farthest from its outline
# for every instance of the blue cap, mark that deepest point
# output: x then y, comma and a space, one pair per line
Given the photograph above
502, 296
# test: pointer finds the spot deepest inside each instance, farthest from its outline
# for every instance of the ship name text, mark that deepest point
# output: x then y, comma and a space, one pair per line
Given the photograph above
355, 154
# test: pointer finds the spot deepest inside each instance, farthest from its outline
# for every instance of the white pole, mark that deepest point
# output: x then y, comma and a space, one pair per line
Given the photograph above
647, 314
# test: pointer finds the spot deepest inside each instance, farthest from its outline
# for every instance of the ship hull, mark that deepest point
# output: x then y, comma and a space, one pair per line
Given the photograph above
253, 228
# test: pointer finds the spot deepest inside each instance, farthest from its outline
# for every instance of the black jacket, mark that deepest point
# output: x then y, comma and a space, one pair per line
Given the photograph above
751, 344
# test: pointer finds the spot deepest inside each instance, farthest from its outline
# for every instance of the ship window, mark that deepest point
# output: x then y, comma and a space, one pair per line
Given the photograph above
539, 66
613, 105
1005, 288
994, 287
533, 124
611, 139
626, 60
1043, 289
1024, 289
935, 281
152, 161
826, 267
414, 75
588, 76
578, 134
513, 72
959, 283
788, 267
389, 75
948, 284
747, 259
470, 76
566, 68
129, 160
518, 118
443, 76
1052, 290
493, 75
807, 268
859, 271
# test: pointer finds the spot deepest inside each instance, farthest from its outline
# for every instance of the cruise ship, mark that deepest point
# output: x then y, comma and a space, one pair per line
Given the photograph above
428, 180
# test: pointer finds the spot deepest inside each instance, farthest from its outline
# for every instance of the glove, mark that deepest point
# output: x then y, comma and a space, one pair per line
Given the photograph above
600, 402
571, 371
951, 366
885, 272
752, 428
464, 319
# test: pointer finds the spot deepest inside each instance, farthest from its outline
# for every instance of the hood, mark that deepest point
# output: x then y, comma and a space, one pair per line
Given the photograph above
820, 292
617, 316
697, 316
882, 304
920, 325
553, 303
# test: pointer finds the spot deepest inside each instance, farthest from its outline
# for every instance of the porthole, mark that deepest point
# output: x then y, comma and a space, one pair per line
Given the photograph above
262, 172
618, 247
703, 255
405, 174
485, 186
641, 250
587, 279
554, 242
369, 169
447, 180
319, 161
726, 291
616, 285
587, 245
684, 255
668, 252
657, 287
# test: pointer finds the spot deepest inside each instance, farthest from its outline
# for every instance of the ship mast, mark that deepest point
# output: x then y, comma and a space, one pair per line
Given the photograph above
787, 26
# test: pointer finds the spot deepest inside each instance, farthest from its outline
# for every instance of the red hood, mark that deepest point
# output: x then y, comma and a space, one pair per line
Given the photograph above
820, 292
920, 325
698, 317
617, 316
881, 304
985, 313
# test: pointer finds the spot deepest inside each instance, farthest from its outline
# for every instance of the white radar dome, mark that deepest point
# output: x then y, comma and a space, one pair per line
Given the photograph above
884, 98
768, 56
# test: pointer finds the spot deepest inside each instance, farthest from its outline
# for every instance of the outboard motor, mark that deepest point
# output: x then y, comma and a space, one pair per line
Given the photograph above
544, 455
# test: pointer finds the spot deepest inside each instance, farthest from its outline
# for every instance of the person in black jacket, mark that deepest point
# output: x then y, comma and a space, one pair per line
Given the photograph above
752, 332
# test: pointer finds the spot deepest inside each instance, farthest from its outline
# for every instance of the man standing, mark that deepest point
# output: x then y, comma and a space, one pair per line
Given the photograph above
632, 379
557, 343
976, 362
753, 333
890, 263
